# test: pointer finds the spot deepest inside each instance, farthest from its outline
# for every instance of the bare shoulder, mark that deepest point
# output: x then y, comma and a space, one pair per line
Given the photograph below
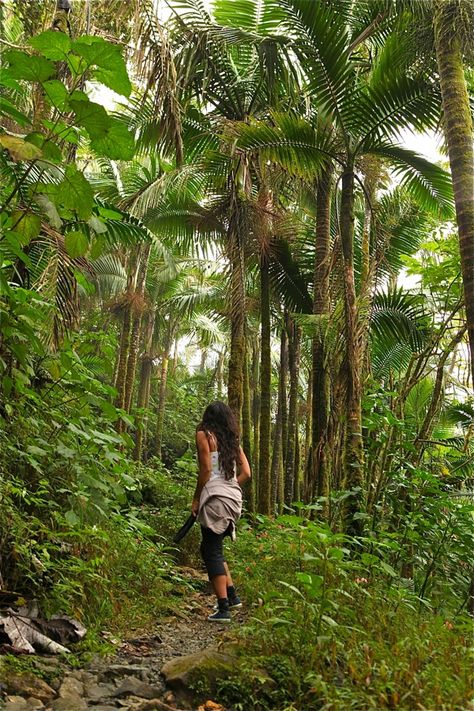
201, 440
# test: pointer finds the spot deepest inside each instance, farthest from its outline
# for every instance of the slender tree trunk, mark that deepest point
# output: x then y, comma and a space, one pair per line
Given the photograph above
277, 455
321, 308
146, 369
121, 369
162, 393
220, 375
249, 489
255, 411
459, 138
308, 457
437, 395
353, 449
136, 327
294, 365
264, 491
237, 323
297, 476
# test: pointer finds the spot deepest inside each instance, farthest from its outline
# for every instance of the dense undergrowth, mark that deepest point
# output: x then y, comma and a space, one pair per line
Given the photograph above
335, 627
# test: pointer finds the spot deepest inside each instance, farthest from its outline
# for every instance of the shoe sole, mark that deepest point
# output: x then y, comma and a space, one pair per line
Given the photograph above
222, 622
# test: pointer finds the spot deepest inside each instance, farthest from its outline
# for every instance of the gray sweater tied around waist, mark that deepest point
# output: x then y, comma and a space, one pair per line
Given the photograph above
220, 504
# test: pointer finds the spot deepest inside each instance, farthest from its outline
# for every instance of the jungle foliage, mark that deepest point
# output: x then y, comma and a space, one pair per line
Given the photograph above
217, 204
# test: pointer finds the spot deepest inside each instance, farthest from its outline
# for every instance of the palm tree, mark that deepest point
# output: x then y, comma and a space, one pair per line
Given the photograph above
358, 114
452, 20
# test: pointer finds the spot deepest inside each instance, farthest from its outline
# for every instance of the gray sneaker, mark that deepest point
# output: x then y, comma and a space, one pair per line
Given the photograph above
220, 616
234, 603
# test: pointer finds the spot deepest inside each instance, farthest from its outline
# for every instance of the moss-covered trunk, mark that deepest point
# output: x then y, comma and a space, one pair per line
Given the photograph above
254, 384
264, 488
458, 131
353, 460
136, 326
235, 382
249, 489
277, 455
294, 348
144, 384
319, 484
162, 392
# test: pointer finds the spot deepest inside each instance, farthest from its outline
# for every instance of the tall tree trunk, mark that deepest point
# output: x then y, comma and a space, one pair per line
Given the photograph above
122, 359
237, 322
255, 410
321, 308
459, 134
277, 455
264, 490
294, 342
249, 490
143, 399
136, 327
353, 449
162, 393
308, 456
220, 375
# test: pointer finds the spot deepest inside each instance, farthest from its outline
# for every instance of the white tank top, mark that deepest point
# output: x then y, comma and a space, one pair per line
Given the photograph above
216, 471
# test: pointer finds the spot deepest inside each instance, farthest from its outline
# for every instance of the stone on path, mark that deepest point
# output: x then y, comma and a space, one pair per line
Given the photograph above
69, 703
29, 685
97, 692
182, 672
71, 687
115, 670
136, 687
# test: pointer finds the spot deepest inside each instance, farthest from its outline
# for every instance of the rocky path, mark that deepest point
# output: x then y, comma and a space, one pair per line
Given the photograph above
131, 679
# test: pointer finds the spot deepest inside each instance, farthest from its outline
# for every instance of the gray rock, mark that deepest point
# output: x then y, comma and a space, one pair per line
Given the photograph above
136, 687
71, 686
210, 664
29, 685
69, 703
16, 706
34, 703
97, 692
115, 670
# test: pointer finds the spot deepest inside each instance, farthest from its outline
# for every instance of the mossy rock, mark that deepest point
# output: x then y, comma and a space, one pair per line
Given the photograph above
28, 684
195, 677
200, 670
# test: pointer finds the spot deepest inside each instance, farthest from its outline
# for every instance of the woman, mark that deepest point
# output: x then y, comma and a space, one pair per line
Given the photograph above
217, 502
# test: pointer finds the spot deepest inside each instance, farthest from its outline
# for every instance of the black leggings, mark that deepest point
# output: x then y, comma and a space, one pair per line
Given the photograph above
212, 551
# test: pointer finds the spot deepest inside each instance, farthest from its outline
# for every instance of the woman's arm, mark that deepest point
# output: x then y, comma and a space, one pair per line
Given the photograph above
204, 460
243, 469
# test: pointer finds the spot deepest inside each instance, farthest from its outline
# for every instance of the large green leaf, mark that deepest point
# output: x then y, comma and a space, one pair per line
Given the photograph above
29, 67
76, 244
109, 137
56, 93
107, 57
75, 192
27, 225
51, 44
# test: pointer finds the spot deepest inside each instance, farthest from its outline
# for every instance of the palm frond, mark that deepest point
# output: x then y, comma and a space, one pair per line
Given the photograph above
427, 182
287, 280
399, 326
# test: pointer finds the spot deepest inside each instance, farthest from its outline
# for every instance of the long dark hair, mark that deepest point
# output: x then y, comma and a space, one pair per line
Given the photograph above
219, 419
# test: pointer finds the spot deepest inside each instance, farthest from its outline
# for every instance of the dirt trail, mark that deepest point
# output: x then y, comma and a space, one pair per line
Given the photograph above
131, 679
